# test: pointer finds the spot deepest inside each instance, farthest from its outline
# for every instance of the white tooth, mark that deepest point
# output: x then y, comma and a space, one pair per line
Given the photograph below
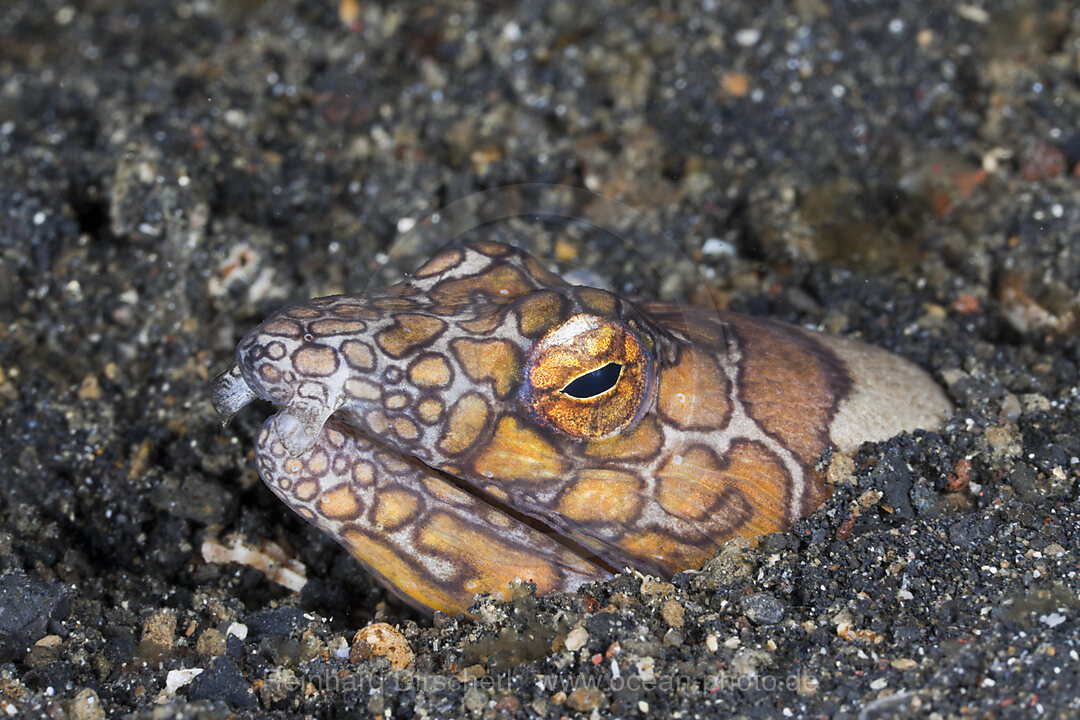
300, 423
292, 433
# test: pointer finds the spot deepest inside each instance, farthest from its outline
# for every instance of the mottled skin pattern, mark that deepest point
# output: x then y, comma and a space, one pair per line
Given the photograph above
460, 458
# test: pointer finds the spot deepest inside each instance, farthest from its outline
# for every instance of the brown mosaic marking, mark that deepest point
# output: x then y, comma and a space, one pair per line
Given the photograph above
303, 312
362, 389
692, 484
447, 311
358, 354
363, 473
541, 274
340, 504
394, 508
496, 492
312, 390
430, 410
392, 462
600, 302
491, 249
814, 382
391, 304
385, 560
282, 328
276, 449
601, 496
538, 312
405, 429
698, 486
376, 422
408, 333
306, 490
486, 320
395, 401
494, 360
337, 327
445, 492
667, 553
315, 361
468, 417
440, 263
491, 571
496, 518
349, 310
764, 482
429, 370
516, 452
501, 285
317, 462
696, 323
270, 374
340, 465
399, 290
275, 350
640, 443
695, 393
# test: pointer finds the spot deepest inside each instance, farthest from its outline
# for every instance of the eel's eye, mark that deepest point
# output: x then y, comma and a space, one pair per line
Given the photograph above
589, 377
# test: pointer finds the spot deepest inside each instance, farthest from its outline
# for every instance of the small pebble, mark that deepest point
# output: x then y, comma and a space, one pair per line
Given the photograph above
763, 609
673, 614
382, 640
576, 639
157, 634
177, 679
210, 643
86, 706
586, 698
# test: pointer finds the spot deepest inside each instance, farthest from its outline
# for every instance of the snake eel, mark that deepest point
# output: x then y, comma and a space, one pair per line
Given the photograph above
485, 422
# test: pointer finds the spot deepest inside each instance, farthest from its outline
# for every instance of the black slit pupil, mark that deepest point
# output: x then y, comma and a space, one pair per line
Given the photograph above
594, 383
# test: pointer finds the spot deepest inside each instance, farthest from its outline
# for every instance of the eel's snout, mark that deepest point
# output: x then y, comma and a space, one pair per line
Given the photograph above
229, 393
298, 424
283, 362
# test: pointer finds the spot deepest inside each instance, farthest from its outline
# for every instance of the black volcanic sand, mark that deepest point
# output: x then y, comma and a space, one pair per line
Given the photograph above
906, 173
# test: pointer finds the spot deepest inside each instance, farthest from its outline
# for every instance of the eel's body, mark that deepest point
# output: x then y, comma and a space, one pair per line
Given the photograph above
483, 421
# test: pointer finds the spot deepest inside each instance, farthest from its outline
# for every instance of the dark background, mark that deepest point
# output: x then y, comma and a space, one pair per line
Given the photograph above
905, 173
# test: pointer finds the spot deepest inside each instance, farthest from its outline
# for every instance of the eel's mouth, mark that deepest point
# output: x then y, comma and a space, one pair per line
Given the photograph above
300, 421
432, 537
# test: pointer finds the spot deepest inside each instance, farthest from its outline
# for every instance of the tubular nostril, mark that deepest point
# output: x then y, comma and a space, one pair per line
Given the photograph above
229, 392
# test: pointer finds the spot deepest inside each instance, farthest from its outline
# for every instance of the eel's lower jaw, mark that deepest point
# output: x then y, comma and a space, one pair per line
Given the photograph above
425, 534
229, 393
292, 429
